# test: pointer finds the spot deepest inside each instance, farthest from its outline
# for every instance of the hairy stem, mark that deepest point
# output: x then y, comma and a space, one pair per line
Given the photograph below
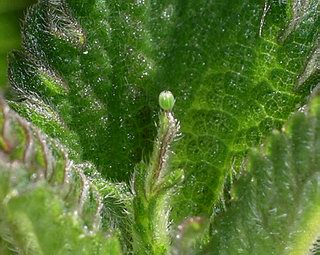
153, 184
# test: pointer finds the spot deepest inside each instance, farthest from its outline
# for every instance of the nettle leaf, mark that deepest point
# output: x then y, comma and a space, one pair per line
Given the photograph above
47, 204
275, 203
10, 15
90, 73
247, 87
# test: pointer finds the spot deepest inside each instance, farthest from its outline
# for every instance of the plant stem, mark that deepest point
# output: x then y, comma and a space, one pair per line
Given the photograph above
153, 185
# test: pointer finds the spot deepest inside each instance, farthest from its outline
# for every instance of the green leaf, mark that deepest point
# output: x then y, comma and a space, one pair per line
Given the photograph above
246, 88
10, 15
274, 207
47, 204
91, 71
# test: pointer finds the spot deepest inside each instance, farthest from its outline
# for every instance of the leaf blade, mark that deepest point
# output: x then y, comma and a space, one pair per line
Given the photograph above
274, 209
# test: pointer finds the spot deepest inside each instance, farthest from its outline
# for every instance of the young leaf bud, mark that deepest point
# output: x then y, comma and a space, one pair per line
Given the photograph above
166, 100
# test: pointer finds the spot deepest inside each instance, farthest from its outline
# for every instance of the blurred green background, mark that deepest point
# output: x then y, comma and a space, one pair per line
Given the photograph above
11, 15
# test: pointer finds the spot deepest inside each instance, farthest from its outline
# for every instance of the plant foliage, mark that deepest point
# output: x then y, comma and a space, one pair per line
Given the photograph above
89, 75
274, 207
10, 17
48, 205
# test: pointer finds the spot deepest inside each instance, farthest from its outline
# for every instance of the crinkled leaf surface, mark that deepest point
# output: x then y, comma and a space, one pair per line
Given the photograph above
47, 204
10, 15
91, 71
275, 204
